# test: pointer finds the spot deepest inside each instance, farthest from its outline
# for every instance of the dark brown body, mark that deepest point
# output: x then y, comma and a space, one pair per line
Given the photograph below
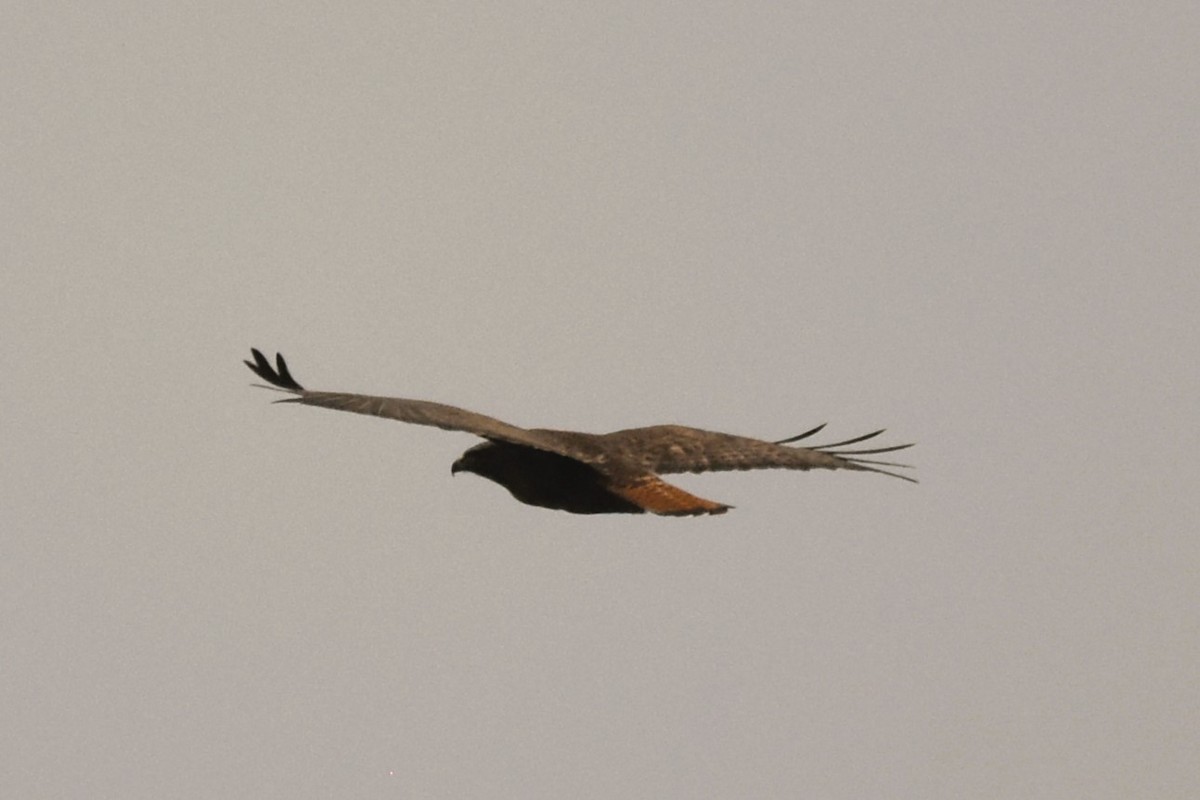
544, 479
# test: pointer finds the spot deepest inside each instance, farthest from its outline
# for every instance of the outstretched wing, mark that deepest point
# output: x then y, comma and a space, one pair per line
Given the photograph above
418, 412
667, 449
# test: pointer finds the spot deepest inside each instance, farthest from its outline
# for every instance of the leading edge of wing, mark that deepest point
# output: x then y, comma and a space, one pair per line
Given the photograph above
416, 412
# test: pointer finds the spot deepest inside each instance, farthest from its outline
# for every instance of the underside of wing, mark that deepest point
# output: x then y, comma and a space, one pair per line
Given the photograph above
417, 412
670, 449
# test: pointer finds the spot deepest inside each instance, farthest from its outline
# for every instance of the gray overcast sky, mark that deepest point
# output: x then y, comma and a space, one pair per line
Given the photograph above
973, 223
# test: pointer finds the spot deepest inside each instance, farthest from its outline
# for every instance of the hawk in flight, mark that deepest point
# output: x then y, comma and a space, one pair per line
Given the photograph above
587, 473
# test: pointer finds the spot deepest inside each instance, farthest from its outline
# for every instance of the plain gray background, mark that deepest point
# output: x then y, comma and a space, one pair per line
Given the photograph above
973, 223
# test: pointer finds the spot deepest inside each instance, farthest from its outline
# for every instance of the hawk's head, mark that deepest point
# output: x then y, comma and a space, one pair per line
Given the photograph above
474, 460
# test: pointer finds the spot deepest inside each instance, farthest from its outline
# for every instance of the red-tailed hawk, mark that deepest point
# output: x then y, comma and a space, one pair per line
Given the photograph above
587, 473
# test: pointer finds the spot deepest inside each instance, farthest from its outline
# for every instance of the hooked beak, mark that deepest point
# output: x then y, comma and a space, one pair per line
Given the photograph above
456, 467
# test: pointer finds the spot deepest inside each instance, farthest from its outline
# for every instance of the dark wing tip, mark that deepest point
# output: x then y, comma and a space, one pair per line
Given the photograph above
889, 473
855, 440
804, 435
891, 449
279, 376
282, 369
853, 457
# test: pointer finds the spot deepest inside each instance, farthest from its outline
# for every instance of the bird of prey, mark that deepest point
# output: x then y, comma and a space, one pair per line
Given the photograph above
586, 473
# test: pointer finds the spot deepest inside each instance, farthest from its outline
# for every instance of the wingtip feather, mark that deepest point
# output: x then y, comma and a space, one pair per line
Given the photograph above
279, 376
804, 435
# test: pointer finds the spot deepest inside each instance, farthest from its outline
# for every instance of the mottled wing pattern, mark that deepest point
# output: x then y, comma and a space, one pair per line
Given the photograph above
418, 412
667, 449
